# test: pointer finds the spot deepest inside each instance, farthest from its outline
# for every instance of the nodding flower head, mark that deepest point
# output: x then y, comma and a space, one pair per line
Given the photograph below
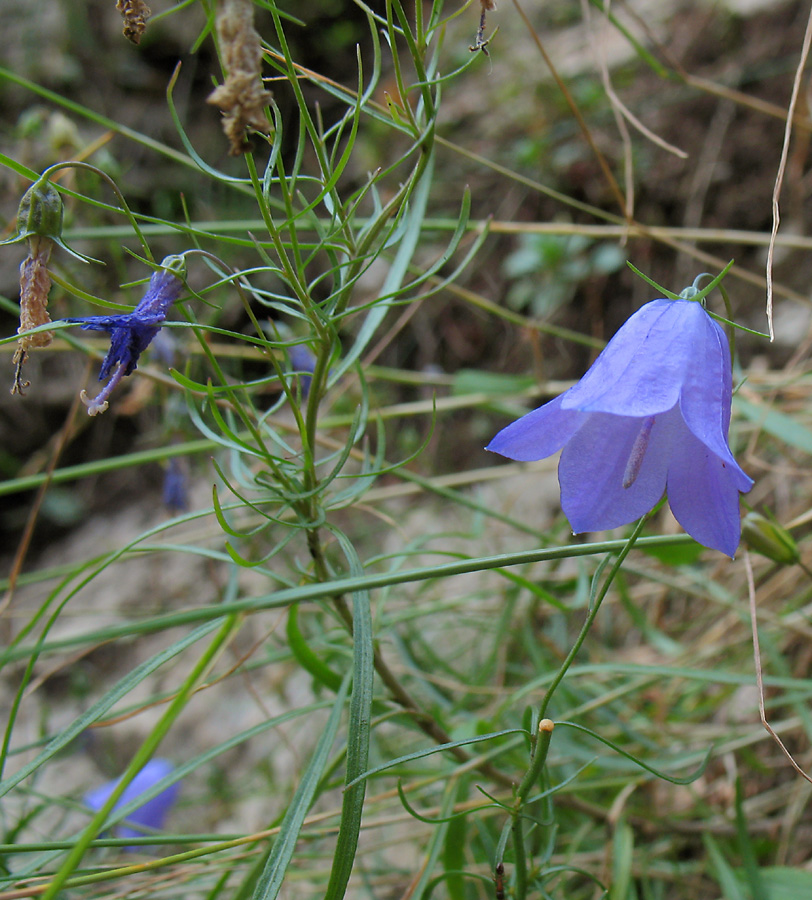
147, 815
651, 416
131, 333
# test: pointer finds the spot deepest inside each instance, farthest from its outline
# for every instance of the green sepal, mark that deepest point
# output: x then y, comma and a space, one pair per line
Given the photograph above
41, 215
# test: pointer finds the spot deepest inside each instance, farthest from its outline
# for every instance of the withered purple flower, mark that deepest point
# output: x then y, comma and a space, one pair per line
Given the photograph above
651, 416
131, 333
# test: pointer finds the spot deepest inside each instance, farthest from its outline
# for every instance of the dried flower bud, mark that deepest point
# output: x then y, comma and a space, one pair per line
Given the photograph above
35, 283
769, 539
135, 14
242, 98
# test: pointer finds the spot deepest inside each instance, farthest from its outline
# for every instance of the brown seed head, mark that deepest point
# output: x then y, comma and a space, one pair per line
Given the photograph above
135, 14
242, 98
35, 283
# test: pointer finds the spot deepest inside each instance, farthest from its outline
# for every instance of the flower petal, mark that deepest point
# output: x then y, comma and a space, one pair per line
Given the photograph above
706, 393
151, 813
165, 287
593, 464
642, 369
540, 433
703, 492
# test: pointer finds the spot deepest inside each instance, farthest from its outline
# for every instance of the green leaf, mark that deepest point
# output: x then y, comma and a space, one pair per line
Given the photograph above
454, 855
725, 875
786, 883
438, 748
676, 555
363, 672
622, 856
778, 424
121, 689
397, 271
306, 658
474, 381
643, 765
282, 852
748, 853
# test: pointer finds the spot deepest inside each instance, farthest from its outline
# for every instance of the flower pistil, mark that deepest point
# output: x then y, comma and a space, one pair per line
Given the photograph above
637, 453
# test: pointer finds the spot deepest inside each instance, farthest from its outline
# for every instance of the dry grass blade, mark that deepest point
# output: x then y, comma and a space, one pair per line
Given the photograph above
751, 590
779, 178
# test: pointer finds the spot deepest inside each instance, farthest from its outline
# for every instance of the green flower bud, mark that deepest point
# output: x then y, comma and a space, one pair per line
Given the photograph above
769, 539
40, 212
40, 216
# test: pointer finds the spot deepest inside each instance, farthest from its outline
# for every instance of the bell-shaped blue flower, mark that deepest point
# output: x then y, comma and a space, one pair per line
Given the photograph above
151, 813
651, 416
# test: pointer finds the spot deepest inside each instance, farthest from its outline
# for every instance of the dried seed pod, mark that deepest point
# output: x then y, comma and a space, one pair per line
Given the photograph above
242, 97
35, 283
135, 14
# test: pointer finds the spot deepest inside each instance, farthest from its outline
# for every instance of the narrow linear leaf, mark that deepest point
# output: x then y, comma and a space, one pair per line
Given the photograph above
731, 888
282, 852
643, 765
121, 689
439, 748
397, 271
306, 658
363, 673
786, 428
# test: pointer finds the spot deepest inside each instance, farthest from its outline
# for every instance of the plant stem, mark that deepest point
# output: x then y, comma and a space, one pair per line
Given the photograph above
595, 605
531, 776
545, 728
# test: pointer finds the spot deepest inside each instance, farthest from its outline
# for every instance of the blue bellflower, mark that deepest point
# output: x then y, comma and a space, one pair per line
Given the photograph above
131, 333
304, 364
150, 814
176, 487
650, 416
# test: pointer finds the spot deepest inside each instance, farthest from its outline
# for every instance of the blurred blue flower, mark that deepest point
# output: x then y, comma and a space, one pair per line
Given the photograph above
150, 814
303, 362
650, 416
131, 333
176, 486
